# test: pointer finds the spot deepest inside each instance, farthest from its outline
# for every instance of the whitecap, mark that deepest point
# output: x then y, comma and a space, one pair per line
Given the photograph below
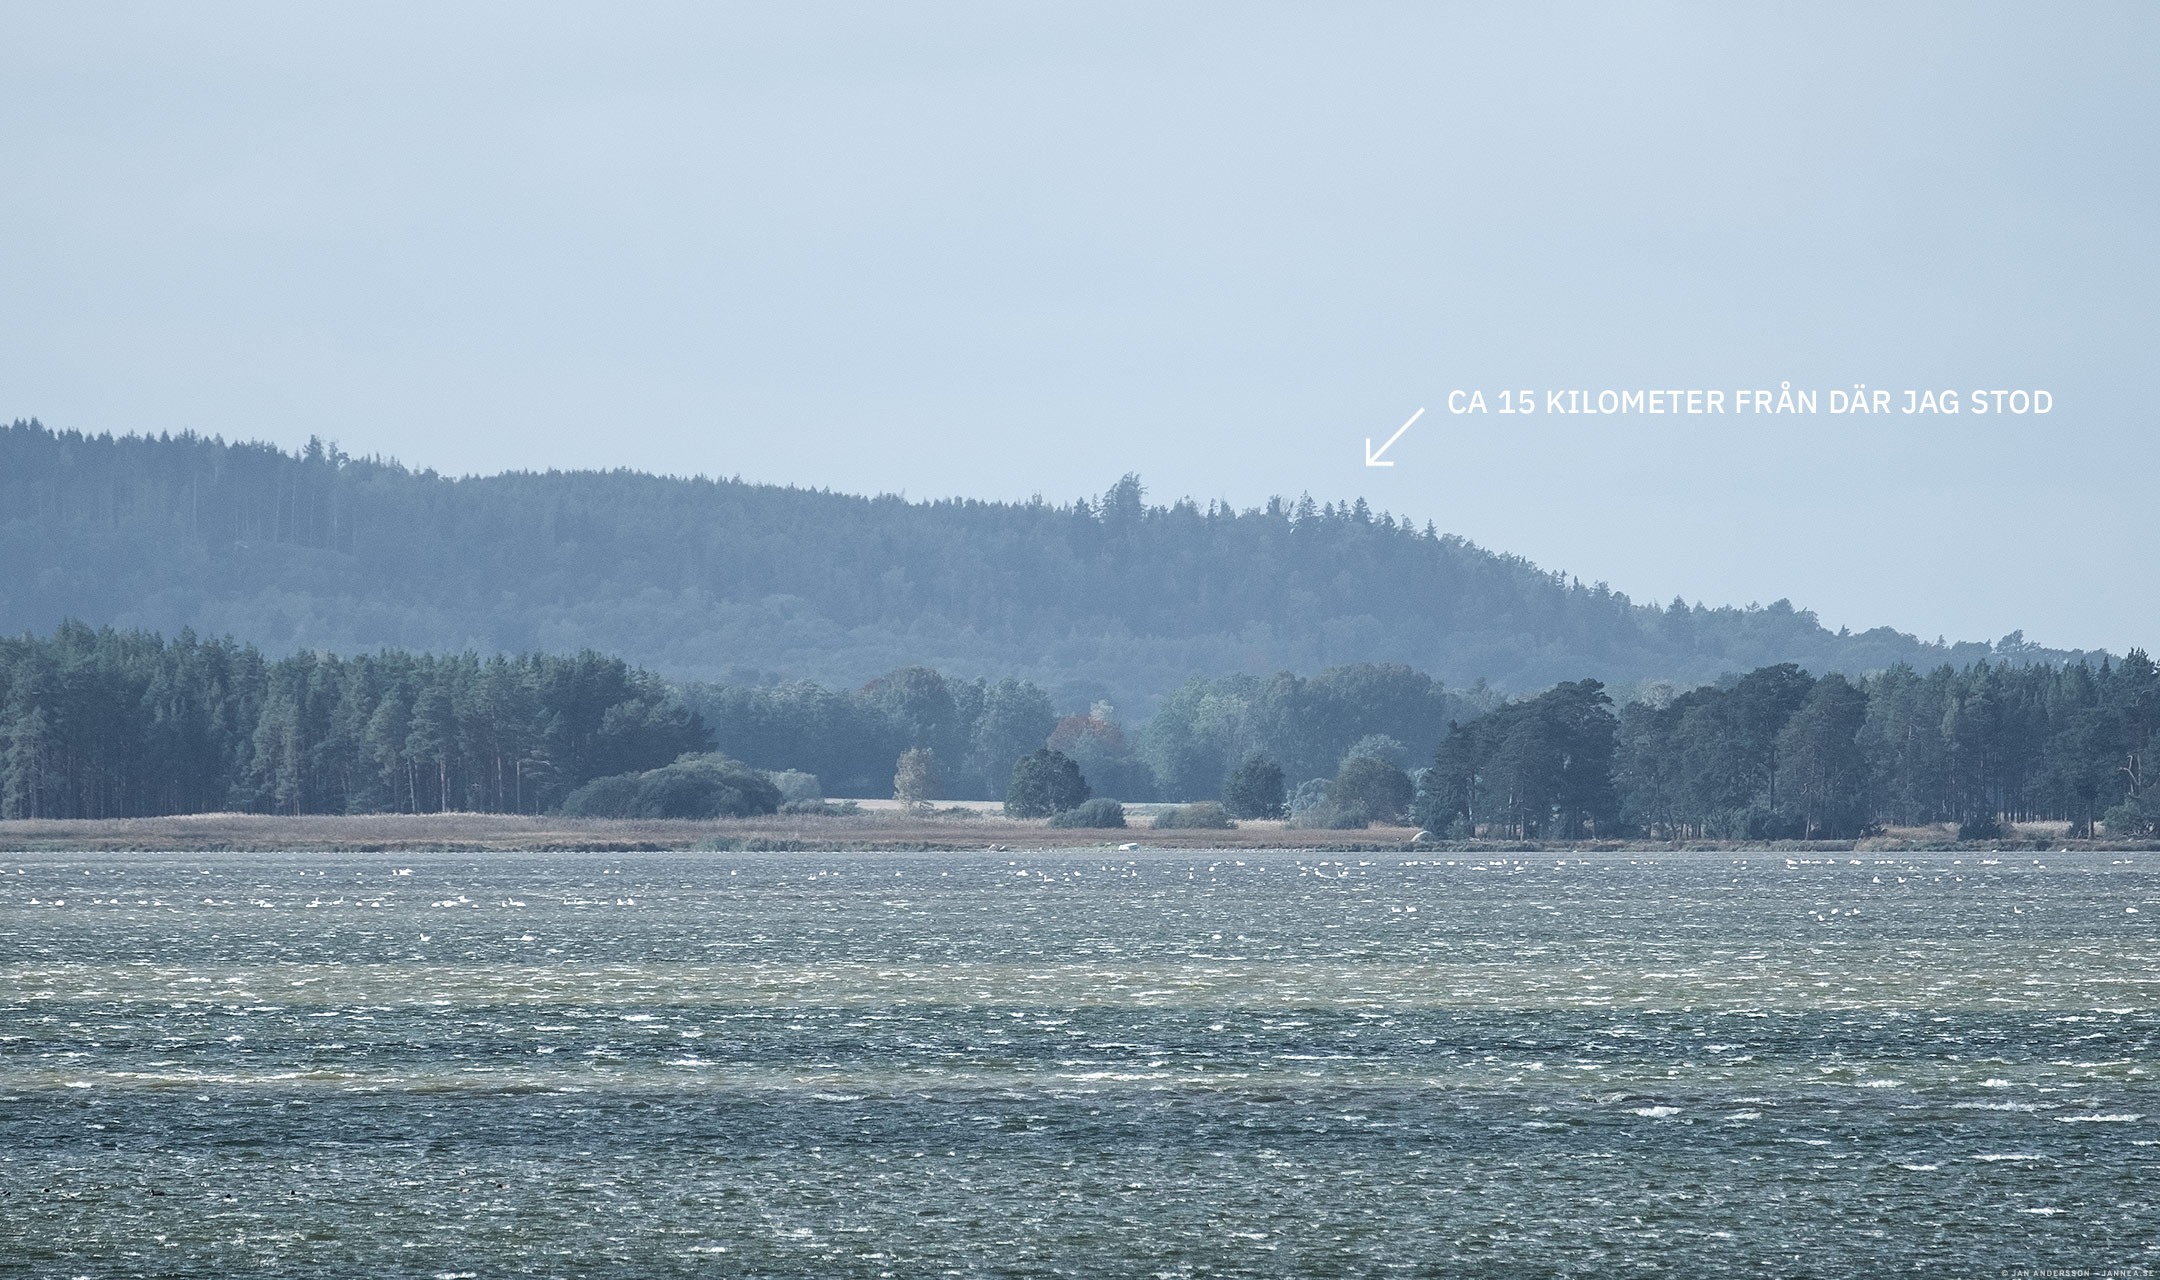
1655, 1113
2117, 1117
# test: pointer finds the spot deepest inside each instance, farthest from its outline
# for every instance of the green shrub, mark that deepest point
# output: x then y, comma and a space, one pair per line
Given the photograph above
1308, 793
1254, 789
1044, 783
1204, 816
1373, 788
2137, 815
1098, 813
795, 785
609, 797
1329, 816
694, 786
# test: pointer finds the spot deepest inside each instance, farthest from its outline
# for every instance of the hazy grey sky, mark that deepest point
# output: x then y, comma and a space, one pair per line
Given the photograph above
1000, 249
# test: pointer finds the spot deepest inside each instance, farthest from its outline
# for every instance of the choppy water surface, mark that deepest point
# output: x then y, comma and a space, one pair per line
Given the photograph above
1078, 1063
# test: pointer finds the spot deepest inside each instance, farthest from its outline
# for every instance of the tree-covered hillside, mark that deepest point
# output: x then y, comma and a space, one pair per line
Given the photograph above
1103, 599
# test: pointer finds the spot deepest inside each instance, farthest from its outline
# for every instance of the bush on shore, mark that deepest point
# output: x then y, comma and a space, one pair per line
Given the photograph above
1204, 816
1329, 816
1044, 783
694, 786
1098, 813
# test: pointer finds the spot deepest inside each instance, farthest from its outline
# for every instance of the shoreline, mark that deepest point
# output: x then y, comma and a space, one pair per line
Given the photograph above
879, 832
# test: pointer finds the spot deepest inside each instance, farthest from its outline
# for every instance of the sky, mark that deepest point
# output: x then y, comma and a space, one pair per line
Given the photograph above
999, 250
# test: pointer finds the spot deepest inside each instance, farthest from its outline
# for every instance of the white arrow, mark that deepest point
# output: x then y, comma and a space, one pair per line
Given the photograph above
1372, 455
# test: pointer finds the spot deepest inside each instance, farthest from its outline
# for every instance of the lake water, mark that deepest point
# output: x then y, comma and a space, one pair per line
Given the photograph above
1079, 1063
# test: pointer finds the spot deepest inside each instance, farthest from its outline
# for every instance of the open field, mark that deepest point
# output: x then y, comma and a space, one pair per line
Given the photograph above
882, 829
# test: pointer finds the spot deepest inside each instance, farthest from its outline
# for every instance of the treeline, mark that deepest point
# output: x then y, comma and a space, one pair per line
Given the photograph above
102, 723
851, 739
112, 724
1305, 726
1107, 597
977, 729
99, 723
1781, 754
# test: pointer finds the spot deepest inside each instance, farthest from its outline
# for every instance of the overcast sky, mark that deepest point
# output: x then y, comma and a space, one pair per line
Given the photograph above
1006, 249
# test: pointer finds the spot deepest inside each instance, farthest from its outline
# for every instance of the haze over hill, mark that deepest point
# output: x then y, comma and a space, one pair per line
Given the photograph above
1102, 598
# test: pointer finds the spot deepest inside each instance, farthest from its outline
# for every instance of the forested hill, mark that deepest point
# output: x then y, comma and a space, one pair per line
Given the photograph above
1107, 598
